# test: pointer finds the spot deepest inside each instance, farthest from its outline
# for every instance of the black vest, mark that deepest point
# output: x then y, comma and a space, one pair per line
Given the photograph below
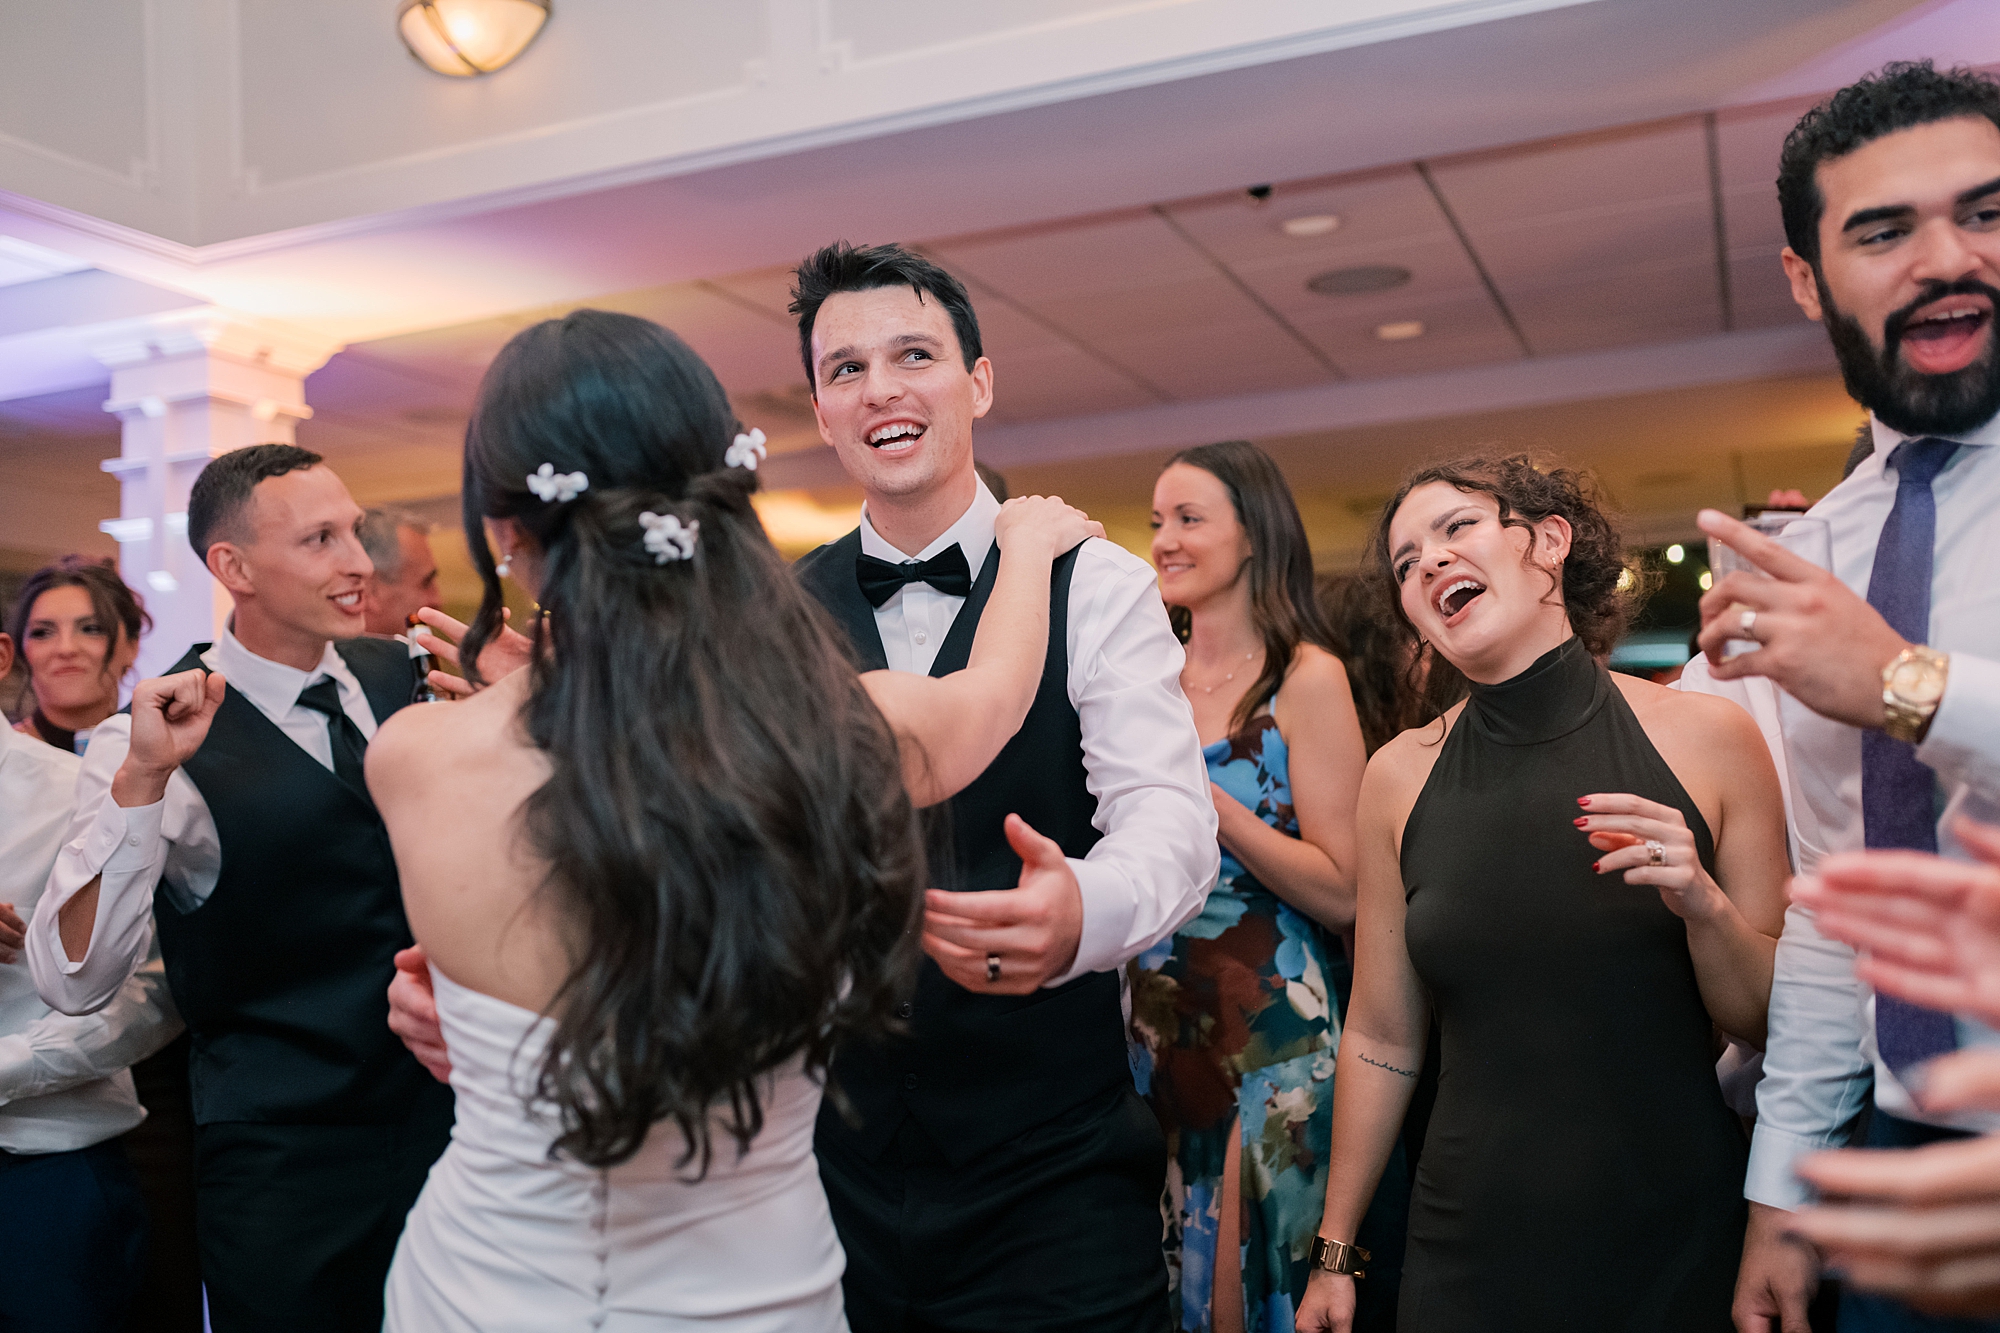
976, 1069
282, 974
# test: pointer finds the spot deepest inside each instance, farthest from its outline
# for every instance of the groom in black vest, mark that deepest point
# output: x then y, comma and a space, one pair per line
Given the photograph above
998, 1171
228, 812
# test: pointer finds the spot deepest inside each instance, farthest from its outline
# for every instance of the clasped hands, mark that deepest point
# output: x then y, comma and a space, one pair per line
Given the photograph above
1922, 1225
1819, 642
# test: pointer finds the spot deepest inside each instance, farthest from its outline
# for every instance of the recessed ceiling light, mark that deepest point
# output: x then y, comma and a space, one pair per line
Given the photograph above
1312, 224
1358, 281
1401, 331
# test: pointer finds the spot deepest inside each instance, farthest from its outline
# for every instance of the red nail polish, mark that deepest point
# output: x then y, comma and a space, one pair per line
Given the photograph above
1583, 800
1594, 865
1580, 822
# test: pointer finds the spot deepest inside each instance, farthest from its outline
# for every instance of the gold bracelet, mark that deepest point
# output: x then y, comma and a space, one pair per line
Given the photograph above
1338, 1256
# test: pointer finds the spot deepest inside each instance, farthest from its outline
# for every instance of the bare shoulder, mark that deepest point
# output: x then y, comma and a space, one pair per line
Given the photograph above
418, 742
1685, 714
1398, 771
1313, 666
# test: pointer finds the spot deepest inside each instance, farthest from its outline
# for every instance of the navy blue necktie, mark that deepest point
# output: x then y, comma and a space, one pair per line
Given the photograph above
1898, 793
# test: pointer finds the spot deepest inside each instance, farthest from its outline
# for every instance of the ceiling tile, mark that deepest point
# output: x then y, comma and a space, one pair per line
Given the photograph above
1116, 251
1461, 328
1552, 249
1583, 174
1194, 361
1386, 207
1057, 382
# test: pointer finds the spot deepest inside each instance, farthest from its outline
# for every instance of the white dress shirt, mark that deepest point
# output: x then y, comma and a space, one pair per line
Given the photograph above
63, 1080
1158, 858
1821, 1047
175, 837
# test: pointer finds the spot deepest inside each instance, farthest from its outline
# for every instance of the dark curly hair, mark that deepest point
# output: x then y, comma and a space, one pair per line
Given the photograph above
725, 824
1899, 96
1598, 607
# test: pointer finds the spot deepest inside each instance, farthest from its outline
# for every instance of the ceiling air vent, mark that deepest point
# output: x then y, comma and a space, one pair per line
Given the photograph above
1358, 281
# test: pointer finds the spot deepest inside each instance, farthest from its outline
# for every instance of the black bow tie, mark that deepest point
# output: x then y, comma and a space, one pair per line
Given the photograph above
946, 571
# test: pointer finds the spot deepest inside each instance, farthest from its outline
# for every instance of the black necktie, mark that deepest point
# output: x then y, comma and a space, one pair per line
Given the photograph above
323, 696
1898, 792
946, 571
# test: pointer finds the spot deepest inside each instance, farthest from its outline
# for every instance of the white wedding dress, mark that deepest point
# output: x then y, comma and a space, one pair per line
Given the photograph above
503, 1238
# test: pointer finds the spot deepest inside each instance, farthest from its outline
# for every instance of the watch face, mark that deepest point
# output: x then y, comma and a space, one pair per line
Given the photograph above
1918, 683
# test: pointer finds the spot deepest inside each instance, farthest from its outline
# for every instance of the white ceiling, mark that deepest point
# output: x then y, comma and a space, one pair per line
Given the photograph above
1580, 194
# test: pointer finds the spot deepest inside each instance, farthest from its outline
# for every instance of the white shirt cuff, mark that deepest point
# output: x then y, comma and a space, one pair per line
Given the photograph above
1108, 910
1772, 1177
123, 839
1964, 738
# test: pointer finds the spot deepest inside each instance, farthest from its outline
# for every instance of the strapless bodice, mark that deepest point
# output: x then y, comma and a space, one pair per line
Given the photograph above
507, 1236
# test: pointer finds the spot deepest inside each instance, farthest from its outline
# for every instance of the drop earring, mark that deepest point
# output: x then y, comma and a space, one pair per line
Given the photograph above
506, 565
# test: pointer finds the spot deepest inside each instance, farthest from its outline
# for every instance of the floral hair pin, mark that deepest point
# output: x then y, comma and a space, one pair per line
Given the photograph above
551, 486
747, 451
668, 538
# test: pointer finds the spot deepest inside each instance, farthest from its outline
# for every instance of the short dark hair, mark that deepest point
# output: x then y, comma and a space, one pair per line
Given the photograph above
217, 499
115, 605
1597, 594
1283, 608
1899, 96
842, 268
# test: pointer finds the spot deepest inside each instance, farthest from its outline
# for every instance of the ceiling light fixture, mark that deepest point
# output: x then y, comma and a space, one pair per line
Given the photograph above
1358, 281
1401, 330
464, 38
1312, 224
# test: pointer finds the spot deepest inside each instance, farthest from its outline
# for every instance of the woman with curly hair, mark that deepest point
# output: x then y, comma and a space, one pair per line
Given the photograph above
1581, 875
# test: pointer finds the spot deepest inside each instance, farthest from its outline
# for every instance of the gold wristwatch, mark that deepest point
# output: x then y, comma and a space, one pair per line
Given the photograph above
1912, 684
1337, 1256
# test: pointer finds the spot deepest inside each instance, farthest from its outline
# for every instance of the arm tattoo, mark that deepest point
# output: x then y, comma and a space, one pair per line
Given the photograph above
1406, 1073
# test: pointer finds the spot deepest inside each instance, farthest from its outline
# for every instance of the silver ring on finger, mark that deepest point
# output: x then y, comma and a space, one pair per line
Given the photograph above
992, 968
1746, 624
1656, 852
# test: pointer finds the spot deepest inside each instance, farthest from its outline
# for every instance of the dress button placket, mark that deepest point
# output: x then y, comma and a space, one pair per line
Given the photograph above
600, 1222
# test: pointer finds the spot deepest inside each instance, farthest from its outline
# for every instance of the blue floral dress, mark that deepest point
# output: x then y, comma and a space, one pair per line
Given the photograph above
1233, 1023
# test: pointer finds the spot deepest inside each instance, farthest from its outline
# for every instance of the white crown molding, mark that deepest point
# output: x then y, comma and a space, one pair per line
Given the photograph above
249, 339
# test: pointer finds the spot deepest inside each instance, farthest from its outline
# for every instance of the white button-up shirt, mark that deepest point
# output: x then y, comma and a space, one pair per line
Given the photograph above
1158, 858
1821, 1048
175, 837
63, 1080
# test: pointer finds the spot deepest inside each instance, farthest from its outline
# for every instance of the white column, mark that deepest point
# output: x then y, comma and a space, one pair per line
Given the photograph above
188, 386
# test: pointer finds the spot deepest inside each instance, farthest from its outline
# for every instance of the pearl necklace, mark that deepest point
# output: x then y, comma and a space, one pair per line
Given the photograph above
1211, 689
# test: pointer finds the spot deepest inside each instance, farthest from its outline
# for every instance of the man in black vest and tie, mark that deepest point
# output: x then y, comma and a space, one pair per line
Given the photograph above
1890, 663
998, 1170
228, 812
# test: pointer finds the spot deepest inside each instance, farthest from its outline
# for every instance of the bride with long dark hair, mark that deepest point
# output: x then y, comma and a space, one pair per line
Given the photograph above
664, 868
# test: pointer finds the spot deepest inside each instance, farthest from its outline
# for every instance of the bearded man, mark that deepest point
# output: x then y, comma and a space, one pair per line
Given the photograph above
1889, 663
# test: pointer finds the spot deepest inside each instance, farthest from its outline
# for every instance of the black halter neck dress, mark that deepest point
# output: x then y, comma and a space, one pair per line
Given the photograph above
1581, 1170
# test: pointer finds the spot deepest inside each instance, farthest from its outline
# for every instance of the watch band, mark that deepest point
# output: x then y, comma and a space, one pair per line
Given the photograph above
1338, 1256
